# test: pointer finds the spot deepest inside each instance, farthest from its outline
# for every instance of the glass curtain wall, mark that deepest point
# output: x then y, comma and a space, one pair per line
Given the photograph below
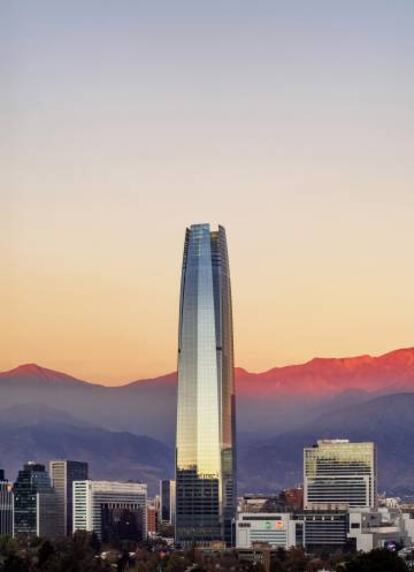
205, 454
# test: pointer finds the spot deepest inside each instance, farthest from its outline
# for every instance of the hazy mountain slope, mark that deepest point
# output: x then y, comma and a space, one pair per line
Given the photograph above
148, 408
41, 433
387, 420
265, 463
273, 401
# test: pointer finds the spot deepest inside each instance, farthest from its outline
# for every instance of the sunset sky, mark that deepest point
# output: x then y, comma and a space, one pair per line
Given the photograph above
291, 123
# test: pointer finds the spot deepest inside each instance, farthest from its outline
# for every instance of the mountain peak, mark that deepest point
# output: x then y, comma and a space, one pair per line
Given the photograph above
33, 371
28, 368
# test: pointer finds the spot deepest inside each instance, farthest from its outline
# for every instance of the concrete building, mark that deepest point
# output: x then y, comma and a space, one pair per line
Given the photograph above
62, 474
313, 530
276, 529
376, 529
353, 529
114, 510
339, 474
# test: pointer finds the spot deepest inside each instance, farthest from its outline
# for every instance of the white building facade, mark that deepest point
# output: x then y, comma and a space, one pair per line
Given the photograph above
99, 505
277, 529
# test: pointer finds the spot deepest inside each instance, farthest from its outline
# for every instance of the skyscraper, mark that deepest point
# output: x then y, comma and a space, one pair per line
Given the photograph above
205, 448
339, 473
36, 508
62, 475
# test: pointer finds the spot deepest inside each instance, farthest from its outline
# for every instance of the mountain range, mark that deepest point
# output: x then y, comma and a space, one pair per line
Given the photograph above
128, 431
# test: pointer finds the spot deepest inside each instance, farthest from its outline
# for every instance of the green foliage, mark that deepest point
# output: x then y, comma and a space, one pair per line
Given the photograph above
83, 553
77, 554
378, 560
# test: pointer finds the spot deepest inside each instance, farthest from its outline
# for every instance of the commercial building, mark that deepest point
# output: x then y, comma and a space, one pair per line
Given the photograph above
205, 447
349, 530
114, 510
339, 474
36, 507
62, 474
322, 530
383, 527
276, 529
167, 495
6, 506
311, 530
152, 519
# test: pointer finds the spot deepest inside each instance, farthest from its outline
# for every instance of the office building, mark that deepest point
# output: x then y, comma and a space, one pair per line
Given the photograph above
339, 474
322, 529
6, 506
36, 507
167, 509
350, 530
152, 519
276, 529
62, 474
312, 530
114, 510
205, 447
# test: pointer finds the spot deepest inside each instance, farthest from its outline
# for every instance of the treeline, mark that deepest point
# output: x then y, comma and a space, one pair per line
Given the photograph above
84, 553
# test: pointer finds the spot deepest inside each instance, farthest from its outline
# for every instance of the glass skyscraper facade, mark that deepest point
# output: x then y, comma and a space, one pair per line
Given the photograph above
36, 508
205, 451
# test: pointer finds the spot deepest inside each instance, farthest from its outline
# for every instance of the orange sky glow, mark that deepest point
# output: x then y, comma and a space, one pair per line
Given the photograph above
297, 140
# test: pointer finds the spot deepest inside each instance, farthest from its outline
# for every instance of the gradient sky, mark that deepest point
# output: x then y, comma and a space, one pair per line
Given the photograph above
291, 123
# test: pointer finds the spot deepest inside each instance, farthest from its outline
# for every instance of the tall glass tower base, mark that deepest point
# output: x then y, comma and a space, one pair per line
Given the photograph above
205, 452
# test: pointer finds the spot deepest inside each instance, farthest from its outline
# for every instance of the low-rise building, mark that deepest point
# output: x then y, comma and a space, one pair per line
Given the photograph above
357, 529
276, 529
113, 510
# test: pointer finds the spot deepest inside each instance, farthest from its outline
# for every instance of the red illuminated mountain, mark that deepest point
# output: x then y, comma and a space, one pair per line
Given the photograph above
276, 400
393, 371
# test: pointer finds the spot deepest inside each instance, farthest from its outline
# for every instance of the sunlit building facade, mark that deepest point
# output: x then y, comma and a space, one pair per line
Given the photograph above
340, 474
205, 451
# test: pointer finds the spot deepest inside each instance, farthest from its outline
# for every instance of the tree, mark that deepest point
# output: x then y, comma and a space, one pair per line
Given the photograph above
378, 560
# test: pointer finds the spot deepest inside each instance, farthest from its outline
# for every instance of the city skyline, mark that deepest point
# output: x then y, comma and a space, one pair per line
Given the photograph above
254, 420
295, 123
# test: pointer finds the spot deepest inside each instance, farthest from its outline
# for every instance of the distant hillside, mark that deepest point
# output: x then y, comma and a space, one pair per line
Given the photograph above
274, 401
42, 433
388, 421
146, 408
